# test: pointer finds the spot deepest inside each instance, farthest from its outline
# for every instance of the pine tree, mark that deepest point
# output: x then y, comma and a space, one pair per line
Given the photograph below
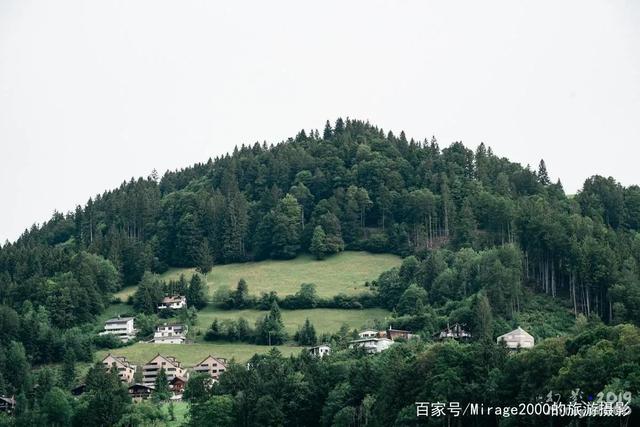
543, 176
318, 243
204, 259
161, 391
327, 131
68, 375
307, 334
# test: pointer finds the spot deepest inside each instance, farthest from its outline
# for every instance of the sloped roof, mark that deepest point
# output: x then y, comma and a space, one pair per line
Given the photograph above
518, 332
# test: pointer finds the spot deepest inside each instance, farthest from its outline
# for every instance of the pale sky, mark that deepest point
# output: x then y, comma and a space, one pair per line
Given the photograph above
96, 92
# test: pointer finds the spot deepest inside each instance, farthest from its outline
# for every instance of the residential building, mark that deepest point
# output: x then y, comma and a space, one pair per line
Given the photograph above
125, 370
369, 333
516, 339
372, 345
320, 350
174, 302
7, 405
177, 384
171, 365
122, 327
456, 332
212, 366
170, 334
394, 334
140, 392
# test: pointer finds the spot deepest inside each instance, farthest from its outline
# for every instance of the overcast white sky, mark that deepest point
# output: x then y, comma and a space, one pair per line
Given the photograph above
93, 93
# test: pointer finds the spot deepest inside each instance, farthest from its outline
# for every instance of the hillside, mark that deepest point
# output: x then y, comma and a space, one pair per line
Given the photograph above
334, 231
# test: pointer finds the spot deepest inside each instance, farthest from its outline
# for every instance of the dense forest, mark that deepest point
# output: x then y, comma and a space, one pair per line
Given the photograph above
486, 242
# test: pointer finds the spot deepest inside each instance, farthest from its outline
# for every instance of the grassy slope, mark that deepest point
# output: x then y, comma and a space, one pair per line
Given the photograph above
323, 319
346, 272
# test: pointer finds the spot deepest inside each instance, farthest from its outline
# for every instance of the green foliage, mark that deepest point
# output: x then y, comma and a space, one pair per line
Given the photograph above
161, 390
148, 294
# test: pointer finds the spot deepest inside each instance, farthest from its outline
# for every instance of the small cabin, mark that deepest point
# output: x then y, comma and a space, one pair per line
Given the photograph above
517, 339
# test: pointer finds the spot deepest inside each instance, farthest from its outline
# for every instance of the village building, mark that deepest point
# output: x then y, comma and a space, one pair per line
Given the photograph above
372, 345
140, 392
121, 327
177, 385
394, 334
125, 370
320, 350
170, 334
171, 365
174, 302
212, 366
369, 333
516, 339
456, 332
7, 405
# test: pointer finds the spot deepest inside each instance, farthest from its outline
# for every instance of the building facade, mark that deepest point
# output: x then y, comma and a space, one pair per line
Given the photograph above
172, 368
516, 339
121, 327
126, 371
372, 345
212, 366
320, 350
170, 334
175, 302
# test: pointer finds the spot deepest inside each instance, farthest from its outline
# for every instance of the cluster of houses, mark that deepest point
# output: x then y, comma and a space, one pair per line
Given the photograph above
124, 327
177, 374
514, 340
371, 341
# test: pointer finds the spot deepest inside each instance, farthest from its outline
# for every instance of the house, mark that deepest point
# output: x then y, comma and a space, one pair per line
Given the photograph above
177, 384
122, 327
212, 366
372, 345
320, 350
394, 334
369, 333
125, 370
170, 334
171, 365
175, 302
516, 339
140, 392
456, 332
7, 404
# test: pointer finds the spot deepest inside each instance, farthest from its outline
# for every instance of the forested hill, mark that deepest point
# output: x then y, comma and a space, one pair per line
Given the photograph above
353, 186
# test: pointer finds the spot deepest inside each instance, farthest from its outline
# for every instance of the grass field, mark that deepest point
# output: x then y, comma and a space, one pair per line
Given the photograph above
190, 354
180, 410
346, 272
323, 319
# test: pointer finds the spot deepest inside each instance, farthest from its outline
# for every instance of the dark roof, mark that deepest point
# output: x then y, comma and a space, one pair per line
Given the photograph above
138, 385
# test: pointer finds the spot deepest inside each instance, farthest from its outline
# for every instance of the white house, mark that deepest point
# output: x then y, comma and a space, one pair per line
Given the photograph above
122, 327
170, 334
173, 302
369, 333
518, 338
320, 350
372, 345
